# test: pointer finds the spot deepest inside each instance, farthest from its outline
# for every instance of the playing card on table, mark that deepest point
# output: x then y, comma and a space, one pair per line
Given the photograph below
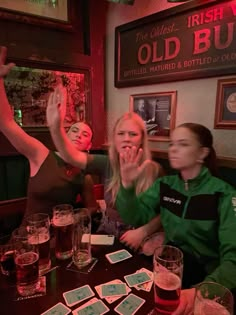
58, 309
110, 300
77, 295
137, 278
113, 289
118, 256
129, 305
147, 285
93, 307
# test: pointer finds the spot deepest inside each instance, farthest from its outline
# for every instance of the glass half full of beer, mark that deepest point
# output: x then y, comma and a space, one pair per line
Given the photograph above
63, 222
27, 266
168, 271
38, 226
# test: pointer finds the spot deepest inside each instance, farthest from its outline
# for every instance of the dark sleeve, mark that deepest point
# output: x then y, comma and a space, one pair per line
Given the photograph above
97, 164
87, 194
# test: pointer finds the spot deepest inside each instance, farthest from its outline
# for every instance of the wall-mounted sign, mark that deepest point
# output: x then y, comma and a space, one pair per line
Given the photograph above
193, 40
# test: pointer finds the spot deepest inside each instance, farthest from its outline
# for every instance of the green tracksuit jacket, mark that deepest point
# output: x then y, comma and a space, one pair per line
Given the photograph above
200, 218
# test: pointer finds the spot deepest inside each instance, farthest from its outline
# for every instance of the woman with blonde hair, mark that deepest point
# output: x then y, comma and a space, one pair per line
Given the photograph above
129, 131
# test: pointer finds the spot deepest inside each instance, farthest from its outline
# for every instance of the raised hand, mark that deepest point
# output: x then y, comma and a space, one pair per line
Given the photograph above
56, 108
4, 69
130, 167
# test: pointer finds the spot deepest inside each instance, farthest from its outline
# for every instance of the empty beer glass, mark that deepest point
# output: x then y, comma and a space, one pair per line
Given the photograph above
27, 264
212, 298
167, 272
63, 222
82, 238
39, 226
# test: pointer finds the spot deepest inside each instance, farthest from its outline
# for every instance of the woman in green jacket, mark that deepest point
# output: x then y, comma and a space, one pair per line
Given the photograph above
197, 209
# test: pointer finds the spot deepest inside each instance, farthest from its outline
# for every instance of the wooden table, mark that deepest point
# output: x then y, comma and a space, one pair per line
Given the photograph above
61, 280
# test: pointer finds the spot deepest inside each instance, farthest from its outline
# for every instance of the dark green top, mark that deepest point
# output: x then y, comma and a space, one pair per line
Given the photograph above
55, 183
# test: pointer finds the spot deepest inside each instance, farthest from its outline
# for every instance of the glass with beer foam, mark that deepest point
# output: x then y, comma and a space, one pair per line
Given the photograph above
63, 222
82, 238
27, 264
38, 225
213, 298
167, 271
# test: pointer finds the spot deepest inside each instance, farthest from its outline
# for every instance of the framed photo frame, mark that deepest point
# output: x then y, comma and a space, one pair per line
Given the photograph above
28, 90
158, 110
50, 13
225, 110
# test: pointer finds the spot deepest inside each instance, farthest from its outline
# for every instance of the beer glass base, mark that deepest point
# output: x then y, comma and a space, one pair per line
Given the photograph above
65, 255
82, 259
29, 289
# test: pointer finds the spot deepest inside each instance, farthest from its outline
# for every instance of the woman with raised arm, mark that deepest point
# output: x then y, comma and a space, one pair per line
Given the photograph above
197, 209
52, 181
129, 130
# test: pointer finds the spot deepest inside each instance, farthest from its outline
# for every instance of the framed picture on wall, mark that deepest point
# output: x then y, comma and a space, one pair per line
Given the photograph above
28, 90
51, 13
225, 112
158, 111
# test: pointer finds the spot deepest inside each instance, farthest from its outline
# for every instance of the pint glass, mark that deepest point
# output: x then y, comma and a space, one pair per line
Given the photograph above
82, 238
213, 298
27, 264
39, 229
63, 222
168, 270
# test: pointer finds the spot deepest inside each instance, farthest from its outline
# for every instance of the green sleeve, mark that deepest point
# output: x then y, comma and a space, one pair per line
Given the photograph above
138, 210
225, 273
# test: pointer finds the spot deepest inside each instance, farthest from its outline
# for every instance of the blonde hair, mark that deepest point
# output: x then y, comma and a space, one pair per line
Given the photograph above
151, 171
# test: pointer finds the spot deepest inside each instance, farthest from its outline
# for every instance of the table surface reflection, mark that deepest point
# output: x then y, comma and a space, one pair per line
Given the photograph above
61, 280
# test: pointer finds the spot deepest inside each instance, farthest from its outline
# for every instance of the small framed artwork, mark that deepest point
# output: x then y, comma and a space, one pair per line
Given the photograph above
158, 110
225, 112
51, 13
28, 90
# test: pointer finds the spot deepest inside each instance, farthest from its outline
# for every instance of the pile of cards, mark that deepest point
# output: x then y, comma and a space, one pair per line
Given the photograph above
113, 290
141, 280
146, 286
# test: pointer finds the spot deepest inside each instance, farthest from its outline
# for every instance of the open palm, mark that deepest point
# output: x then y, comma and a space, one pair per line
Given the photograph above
130, 167
56, 108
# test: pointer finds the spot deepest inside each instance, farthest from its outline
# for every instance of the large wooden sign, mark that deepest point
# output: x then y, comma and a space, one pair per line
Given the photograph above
193, 40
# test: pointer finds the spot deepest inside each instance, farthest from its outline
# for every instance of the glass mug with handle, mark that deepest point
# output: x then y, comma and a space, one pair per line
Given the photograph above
167, 273
213, 298
7, 263
63, 222
38, 225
